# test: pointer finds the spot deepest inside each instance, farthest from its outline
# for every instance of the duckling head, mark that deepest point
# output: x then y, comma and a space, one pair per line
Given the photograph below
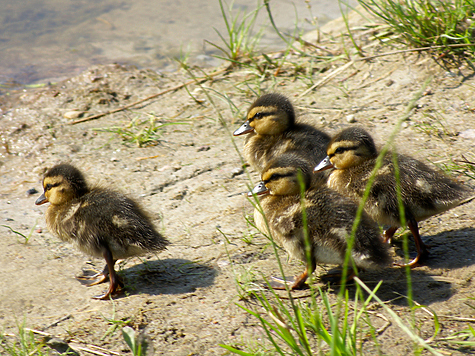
270, 114
284, 176
61, 184
347, 149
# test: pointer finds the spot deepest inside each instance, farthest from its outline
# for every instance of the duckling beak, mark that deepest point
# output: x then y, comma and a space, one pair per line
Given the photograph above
323, 165
41, 200
244, 129
259, 189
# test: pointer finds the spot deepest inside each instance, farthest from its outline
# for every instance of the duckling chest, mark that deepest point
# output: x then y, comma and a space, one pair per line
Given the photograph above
346, 184
62, 221
260, 149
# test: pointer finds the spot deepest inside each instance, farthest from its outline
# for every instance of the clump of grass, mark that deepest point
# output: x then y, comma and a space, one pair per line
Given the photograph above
22, 344
137, 344
239, 41
447, 25
115, 323
142, 132
26, 237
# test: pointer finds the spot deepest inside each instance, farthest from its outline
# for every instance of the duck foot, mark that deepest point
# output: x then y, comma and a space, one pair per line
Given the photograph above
417, 260
279, 283
336, 274
294, 283
114, 289
95, 278
116, 285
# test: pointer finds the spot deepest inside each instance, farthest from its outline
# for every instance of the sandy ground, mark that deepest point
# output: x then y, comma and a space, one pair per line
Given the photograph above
184, 299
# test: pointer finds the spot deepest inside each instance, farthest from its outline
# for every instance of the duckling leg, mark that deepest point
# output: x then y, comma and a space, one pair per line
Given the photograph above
115, 283
389, 233
300, 280
422, 251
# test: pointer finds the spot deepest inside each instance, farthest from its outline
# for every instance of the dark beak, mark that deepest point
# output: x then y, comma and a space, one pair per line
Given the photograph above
259, 189
244, 129
323, 165
41, 200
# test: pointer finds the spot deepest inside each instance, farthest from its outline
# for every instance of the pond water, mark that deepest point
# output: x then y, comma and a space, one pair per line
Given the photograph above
48, 40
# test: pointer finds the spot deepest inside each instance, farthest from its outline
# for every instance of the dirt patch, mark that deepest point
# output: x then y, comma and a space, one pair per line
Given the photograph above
183, 300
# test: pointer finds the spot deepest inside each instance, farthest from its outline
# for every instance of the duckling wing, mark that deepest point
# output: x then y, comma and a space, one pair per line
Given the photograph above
426, 191
330, 219
109, 219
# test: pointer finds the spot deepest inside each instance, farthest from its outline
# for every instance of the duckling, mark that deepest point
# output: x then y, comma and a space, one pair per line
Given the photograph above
273, 130
424, 191
99, 221
330, 217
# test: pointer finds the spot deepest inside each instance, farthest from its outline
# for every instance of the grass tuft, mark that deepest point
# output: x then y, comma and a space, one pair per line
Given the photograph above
22, 344
449, 25
142, 132
239, 41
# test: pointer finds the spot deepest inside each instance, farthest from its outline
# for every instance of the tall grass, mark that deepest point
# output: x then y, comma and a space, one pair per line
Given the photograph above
448, 25
239, 40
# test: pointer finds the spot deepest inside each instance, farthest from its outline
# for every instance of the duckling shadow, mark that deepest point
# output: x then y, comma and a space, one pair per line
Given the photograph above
426, 288
448, 249
170, 276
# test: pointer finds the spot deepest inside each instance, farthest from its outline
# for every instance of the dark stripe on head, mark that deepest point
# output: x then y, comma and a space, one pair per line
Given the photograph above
71, 174
278, 100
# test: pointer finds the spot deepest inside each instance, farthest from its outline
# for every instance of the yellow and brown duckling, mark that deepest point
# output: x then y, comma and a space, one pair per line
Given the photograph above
272, 129
424, 191
330, 217
99, 221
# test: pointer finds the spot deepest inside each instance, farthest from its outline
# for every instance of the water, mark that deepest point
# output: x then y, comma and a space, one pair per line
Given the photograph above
49, 40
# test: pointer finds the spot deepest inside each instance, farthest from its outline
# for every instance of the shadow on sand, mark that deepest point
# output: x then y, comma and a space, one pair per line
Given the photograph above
168, 276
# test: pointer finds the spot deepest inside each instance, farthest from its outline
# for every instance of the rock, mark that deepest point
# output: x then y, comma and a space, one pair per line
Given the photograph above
237, 171
31, 191
72, 115
350, 118
61, 346
470, 134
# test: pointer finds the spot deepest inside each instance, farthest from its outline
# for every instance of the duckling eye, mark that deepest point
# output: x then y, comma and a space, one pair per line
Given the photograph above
258, 115
49, 186
339, 150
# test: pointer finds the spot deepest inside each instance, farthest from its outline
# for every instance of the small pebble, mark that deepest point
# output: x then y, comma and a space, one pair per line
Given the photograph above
350, 118
72, 115
203, 148
31, 191
237, 171
389, 82
470, 133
